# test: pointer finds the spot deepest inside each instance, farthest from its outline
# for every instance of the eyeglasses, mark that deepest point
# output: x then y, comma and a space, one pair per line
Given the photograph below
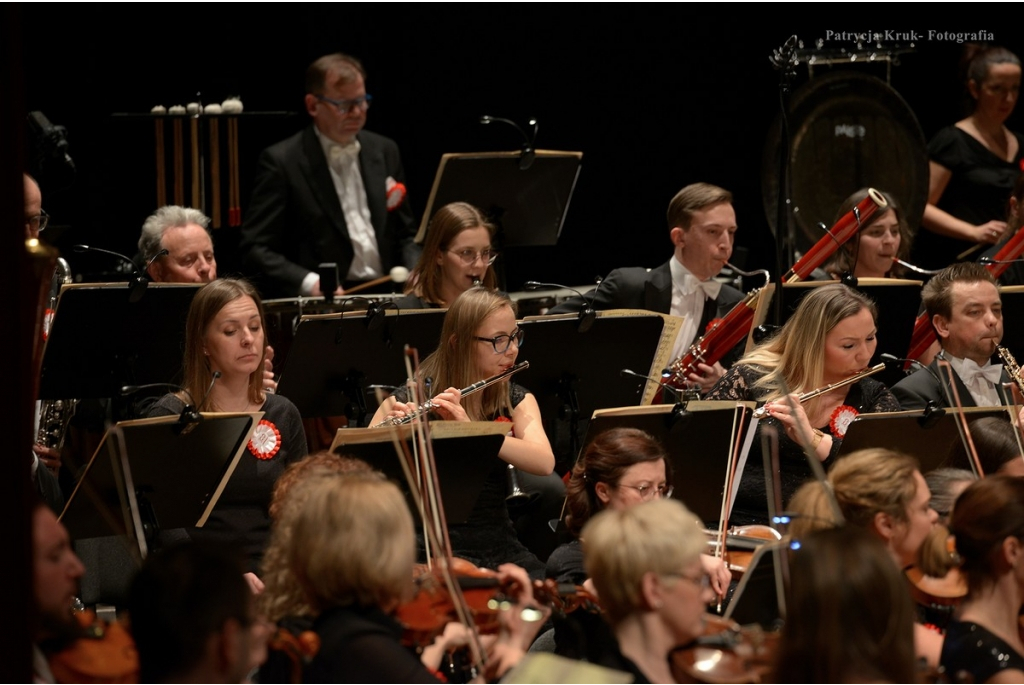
346, 106
648, 491
38, 222
469, 255
501, 343
703, 582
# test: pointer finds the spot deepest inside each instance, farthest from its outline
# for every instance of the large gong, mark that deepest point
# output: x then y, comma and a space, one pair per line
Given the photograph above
848, 131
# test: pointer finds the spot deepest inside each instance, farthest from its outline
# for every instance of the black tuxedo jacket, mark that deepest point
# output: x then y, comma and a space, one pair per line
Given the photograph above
915, 391
295, 222
638, 288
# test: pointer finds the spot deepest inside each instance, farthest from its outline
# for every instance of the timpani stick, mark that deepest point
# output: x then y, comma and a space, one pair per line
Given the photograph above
161, 163
196, 178
179, 170
236, 197
215, 168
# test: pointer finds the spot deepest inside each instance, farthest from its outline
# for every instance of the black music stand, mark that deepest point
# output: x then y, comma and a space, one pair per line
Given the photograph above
335, 358
100, 341
1013, 325
760, 596
898, 302
572, 374
150, 474
926, 438
465, 454
698, 443
528, 204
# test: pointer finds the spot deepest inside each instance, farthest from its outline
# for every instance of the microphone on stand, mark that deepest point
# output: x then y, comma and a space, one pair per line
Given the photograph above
932, 411
138, 283
587, 313
679, 410
528, 153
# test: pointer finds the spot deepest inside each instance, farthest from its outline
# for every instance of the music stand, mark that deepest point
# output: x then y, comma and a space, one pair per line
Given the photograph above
100, 341
334, 358
465, 453
569, 371
150, 474
927, 439
760, 596
1013, 326
529, 205
898, 302
698, 443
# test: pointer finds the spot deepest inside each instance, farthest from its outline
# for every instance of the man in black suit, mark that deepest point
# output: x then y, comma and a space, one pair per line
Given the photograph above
331, 193
964, 306
702, 227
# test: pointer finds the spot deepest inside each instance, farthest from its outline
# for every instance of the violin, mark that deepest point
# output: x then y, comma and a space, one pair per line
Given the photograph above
725, 653
432, 606
947, 591
740, 544
103, 653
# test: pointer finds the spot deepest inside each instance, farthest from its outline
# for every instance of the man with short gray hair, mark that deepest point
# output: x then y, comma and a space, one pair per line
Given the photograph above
176, 247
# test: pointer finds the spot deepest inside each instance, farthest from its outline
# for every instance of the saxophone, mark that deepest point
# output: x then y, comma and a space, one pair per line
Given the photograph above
55, 415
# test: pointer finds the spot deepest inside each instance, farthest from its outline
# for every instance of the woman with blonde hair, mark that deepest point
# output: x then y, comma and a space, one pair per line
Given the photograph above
645, 564
829, 338
480, 339
988, 526
457, 254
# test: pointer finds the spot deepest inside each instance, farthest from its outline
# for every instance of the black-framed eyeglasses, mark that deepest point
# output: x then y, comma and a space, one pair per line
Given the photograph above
649, 491
501, 343
469, 255
345, 106
38, 222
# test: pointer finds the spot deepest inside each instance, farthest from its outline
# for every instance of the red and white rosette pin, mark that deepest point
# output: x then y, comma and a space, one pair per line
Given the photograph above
265, 440
841, 419
395, 193
505, 419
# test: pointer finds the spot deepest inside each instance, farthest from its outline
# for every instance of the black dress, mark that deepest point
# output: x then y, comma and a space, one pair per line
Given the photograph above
241, 516
977, 192
969, 647
866, 396
487, 538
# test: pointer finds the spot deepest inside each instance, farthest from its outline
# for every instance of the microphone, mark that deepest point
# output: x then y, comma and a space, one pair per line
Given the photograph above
528, 153
989, 260
136, 285
664, 386
587, 314
51, 145
679, 410
189, 416
932, 411
209, 389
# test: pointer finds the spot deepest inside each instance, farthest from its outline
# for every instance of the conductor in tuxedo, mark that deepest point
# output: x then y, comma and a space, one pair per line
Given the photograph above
966, 311
331, 193
702, 228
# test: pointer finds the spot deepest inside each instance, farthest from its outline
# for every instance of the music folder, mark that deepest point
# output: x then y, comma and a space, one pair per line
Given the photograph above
152, 474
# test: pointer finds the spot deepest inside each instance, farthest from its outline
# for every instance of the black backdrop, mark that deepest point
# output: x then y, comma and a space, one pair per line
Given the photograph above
654, 96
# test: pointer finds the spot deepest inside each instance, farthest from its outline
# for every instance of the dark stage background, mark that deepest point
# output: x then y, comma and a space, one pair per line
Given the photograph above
655, 97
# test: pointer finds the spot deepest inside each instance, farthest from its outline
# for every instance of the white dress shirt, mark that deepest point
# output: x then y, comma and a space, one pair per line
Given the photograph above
688, 296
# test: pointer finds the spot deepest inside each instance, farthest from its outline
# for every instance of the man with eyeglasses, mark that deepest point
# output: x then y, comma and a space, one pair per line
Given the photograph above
331, 193
35, 218
702, 228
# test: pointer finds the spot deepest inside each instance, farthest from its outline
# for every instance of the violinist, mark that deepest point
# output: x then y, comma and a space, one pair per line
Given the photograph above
193, 616
872, 251
56, 573
849, 616
996, 441
829, 338
645, 565
702, 228
988, 525
352, 552
480, 339
883, 492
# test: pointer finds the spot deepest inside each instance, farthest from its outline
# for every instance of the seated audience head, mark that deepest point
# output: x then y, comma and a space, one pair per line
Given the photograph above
966, 311
183, 232
352, 542
619, 468
885, 236
988, 526
849, 616
456, 252
645, 565
879, 490
56, 574
702, 226
997, 447
192, 616
224, 332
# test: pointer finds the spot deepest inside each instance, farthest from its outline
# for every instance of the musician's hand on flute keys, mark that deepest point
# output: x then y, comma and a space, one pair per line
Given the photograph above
448, 405
398, 409
790, 413
708, 377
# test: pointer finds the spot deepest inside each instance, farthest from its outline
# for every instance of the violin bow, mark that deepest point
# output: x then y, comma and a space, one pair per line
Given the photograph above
962, 426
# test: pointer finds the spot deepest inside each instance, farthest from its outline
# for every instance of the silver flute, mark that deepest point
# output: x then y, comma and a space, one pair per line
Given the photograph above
468, 390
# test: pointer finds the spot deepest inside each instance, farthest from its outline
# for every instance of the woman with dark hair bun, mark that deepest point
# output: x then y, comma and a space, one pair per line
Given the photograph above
973, 164
872, 252
984, 641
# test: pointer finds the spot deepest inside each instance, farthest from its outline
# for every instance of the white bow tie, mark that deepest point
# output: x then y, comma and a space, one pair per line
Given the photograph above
340, 153
993, 373
692, 284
